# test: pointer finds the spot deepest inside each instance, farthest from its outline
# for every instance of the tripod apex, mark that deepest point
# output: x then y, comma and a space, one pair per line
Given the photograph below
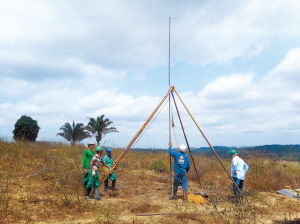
171, 87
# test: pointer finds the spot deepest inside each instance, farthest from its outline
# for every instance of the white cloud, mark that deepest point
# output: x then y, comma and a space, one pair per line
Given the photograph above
223, 31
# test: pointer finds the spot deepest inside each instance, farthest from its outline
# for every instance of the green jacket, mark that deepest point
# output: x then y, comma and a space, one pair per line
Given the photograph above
108, 161
87, 158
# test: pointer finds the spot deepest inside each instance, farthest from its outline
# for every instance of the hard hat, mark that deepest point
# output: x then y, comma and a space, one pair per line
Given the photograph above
182, 148
232, 152
98, 148
108, 149
91, 143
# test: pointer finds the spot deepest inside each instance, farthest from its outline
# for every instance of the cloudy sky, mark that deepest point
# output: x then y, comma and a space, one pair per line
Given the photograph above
234, 63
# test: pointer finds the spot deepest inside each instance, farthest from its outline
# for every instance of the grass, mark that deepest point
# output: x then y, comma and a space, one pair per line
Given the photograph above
42, 182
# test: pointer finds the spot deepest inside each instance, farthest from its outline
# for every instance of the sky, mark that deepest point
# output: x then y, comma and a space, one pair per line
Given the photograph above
235, 65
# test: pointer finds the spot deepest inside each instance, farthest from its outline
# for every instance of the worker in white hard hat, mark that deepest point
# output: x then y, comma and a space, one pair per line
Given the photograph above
181, 166
87, 158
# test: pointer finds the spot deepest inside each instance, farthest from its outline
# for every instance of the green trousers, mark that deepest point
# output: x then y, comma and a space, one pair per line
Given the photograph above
93, 181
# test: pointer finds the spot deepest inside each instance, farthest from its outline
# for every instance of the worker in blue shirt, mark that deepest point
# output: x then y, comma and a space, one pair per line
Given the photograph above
238, 171
181, 166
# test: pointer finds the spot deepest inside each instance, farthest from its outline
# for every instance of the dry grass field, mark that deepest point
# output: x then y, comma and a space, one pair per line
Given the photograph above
41, 183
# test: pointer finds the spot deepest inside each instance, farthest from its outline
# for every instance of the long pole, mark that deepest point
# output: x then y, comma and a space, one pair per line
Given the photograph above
186, 139
170, 103
101, 180
212, 148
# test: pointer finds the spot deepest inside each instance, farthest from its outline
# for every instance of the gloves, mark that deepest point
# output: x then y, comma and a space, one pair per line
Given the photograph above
187, 170
170, 144
93, 173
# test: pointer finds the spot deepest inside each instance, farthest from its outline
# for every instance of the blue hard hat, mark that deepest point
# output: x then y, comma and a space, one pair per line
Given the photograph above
108, 149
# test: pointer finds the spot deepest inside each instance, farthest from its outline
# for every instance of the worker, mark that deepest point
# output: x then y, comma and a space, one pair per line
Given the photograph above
87, 158
181, 166
238, 171
108, 159
93, 177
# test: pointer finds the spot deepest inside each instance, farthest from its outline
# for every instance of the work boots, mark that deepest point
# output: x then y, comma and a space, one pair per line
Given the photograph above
84, 187
88, 191
106, 186
185, 196
174, 195
114, 185
97, 194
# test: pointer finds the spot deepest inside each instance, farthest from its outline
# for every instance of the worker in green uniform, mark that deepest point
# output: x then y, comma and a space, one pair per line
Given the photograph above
93, 177
87, 158
108, 159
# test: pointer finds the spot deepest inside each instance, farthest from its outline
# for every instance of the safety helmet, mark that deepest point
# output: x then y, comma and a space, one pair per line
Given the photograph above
232, 152
108, 149
98, 148
182, 148
91, 143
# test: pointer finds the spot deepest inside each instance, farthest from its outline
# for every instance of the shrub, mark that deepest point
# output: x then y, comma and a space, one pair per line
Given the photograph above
26, 128
158, 165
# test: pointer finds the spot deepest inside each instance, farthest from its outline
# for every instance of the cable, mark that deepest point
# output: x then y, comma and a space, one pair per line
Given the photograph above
149, 125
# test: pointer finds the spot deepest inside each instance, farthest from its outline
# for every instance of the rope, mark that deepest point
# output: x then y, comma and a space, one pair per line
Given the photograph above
173, 126
149, 125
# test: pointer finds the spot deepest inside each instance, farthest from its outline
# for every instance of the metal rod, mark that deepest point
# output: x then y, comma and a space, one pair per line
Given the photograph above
170, 103
186, 139
101, 180
212, 148
155, 214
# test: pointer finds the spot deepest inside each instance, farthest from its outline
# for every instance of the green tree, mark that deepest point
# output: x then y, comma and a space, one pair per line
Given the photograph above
26, 128
99, 127
74, 133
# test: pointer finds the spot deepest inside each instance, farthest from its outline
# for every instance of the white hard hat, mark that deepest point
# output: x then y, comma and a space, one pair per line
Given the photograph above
182, 148
91, 143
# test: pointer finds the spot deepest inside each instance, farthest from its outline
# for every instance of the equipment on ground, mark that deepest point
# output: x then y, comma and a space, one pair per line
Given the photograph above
290, 193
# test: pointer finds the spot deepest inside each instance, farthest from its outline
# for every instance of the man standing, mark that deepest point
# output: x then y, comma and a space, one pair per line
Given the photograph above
87, 158
93, 177
108, 159
181, 166
238, 171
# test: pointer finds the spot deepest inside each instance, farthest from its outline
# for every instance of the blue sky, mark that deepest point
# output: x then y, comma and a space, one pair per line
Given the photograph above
234, 63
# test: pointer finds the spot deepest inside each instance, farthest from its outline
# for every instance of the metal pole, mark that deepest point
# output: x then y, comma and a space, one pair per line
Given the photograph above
186, 139
207, 141
170, 104
101, 180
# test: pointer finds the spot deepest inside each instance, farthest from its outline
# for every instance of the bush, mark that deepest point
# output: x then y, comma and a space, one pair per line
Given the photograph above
26, 128
158, 165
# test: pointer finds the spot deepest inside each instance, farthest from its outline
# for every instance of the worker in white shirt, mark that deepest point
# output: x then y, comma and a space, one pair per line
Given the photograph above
238, 171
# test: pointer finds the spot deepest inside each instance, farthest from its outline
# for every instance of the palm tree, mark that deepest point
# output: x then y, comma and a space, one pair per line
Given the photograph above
74, 133
99, 127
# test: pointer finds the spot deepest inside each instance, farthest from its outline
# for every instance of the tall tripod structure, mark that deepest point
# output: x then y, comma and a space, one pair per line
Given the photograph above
170, 92
168, 95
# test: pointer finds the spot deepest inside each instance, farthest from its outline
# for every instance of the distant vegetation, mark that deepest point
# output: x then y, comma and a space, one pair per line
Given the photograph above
284, 152
100, 127
74, 133
26, 129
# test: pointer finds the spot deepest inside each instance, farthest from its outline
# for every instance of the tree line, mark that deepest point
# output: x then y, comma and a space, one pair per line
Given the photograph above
27, 129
